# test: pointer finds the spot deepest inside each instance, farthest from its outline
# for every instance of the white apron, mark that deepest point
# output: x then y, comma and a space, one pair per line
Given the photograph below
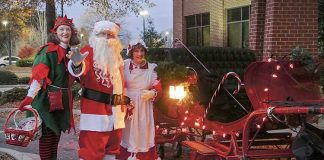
139, 132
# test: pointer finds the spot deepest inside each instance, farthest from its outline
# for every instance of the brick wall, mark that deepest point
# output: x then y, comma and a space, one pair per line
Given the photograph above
183, 8
178, 19
257, 19
276, 26
217, 10
229, 4
287, 24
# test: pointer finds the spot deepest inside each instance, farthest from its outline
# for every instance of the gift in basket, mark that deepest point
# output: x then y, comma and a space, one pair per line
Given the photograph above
26, 130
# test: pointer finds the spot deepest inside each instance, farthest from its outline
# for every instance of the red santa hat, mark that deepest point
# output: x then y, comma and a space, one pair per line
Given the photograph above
134, 42
106, 26
63, 21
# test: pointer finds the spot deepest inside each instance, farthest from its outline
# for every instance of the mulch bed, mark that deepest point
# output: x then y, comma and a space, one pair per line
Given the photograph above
5, 156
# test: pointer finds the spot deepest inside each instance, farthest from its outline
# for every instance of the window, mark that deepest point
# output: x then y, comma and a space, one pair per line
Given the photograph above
238, 25
198, 30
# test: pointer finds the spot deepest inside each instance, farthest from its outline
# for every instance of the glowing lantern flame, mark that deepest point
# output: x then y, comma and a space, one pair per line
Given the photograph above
203, 127
177, 92
197, 124
291, 66
278, 67
185, 118
274, 76
224, 135
266, 89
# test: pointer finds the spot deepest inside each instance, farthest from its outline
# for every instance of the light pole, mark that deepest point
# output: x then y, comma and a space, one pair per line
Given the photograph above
5, 23
166, 39
143, 14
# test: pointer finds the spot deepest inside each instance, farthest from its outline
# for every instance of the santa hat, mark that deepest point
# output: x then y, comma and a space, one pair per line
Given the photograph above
105, 26
134, 42
63, 21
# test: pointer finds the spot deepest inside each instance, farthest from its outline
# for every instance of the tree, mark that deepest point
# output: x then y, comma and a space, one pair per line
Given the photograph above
113, 7
151, 37
18, 15
91, 16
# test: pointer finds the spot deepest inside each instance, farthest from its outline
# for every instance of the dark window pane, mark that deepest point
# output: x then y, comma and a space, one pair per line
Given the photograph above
245, 34
246, 13
205, 19
190, 21
191, 37
206, 36
199, 36
7, 59
234, 15
198, 19
234, 35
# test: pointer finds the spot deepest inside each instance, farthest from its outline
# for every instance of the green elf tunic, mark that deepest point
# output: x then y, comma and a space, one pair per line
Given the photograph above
49, 67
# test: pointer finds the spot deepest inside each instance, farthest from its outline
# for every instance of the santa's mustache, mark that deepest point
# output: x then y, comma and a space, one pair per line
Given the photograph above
111, 43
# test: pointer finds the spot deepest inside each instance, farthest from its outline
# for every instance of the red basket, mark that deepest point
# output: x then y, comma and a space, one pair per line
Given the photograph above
19, 136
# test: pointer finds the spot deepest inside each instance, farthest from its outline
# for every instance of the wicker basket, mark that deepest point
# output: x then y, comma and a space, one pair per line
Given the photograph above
26, 130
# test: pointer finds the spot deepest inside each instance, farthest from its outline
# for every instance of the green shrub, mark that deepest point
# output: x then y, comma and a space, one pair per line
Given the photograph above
15, 94
170, 72
24, 80
24, 63
8, 78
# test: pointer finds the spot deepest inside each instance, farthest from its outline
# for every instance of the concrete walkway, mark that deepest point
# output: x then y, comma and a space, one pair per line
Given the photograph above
20, 155
8, 87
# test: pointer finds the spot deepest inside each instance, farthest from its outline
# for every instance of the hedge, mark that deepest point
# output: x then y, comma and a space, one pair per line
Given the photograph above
8, 78
218, 61
24, 80
15, 94
24, 63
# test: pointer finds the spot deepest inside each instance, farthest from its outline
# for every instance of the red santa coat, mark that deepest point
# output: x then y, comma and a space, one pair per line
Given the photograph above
96, 116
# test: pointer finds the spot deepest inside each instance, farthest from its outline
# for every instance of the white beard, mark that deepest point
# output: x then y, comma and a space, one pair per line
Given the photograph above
108, 60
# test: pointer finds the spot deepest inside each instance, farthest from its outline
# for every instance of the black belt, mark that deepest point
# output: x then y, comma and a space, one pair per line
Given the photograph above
111, 99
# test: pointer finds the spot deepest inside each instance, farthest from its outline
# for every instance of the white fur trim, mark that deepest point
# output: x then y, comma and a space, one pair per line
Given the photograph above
109, 157
103, 26
34, 88
99, 123
71, 70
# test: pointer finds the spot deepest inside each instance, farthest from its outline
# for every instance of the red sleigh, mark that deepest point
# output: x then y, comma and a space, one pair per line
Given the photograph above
282, 95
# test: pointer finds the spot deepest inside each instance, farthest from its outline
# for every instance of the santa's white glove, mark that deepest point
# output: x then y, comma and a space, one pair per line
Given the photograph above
76, 57
148, 94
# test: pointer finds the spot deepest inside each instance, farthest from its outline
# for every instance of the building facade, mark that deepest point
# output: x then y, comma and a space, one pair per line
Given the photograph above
269, 27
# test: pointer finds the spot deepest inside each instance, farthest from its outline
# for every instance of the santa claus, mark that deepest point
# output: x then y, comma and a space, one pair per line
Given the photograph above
102, 103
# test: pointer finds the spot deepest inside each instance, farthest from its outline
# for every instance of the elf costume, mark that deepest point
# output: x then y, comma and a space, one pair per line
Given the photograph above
50, 77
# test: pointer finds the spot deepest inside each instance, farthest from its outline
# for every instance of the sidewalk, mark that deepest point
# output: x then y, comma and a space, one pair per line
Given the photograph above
8, 87
20, 155
67, 149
